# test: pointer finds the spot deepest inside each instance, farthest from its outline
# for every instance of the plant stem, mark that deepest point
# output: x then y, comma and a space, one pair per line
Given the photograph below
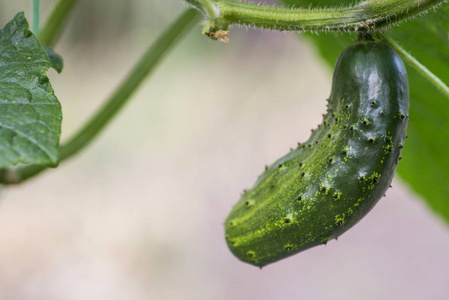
118, 99
209, 9
55, 22
368, 15
36, 15
413, 62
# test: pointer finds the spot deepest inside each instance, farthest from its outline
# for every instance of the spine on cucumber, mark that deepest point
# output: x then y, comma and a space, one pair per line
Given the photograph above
329, 183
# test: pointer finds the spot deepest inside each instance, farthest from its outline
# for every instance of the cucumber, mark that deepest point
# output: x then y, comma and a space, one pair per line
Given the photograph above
325, 186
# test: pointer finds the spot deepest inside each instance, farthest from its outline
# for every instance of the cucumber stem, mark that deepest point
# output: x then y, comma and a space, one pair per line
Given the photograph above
367, 15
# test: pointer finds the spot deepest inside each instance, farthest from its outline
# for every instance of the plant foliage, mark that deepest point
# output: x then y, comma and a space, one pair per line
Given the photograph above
30, 113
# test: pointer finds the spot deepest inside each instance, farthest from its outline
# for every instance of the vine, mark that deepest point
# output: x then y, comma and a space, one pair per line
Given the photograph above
367, 15
49, 33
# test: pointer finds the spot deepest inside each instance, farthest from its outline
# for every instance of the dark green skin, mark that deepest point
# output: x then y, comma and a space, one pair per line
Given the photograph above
329, 183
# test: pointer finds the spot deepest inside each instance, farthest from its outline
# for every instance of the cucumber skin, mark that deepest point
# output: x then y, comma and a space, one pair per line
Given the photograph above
329, 183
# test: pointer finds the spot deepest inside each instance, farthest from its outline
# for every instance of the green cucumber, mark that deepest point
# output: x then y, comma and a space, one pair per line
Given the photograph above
329, 183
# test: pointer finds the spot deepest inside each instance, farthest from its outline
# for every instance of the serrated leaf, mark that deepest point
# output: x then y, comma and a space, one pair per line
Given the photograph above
56, 60
425, 166
30, 114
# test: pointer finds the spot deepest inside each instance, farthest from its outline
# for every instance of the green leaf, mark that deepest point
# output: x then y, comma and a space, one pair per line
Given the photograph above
425, 166
56, 60
30, 114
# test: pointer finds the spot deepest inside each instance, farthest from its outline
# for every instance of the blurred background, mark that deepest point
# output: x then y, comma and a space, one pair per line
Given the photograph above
139, 214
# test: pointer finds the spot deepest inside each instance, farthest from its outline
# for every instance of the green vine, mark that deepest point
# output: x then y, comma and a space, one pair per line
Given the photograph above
367, 15
58, 17
209, 9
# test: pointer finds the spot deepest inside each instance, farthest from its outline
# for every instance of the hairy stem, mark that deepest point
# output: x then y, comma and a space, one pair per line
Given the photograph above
413, 62
209, 9
118, 99
367, 15
55, 22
